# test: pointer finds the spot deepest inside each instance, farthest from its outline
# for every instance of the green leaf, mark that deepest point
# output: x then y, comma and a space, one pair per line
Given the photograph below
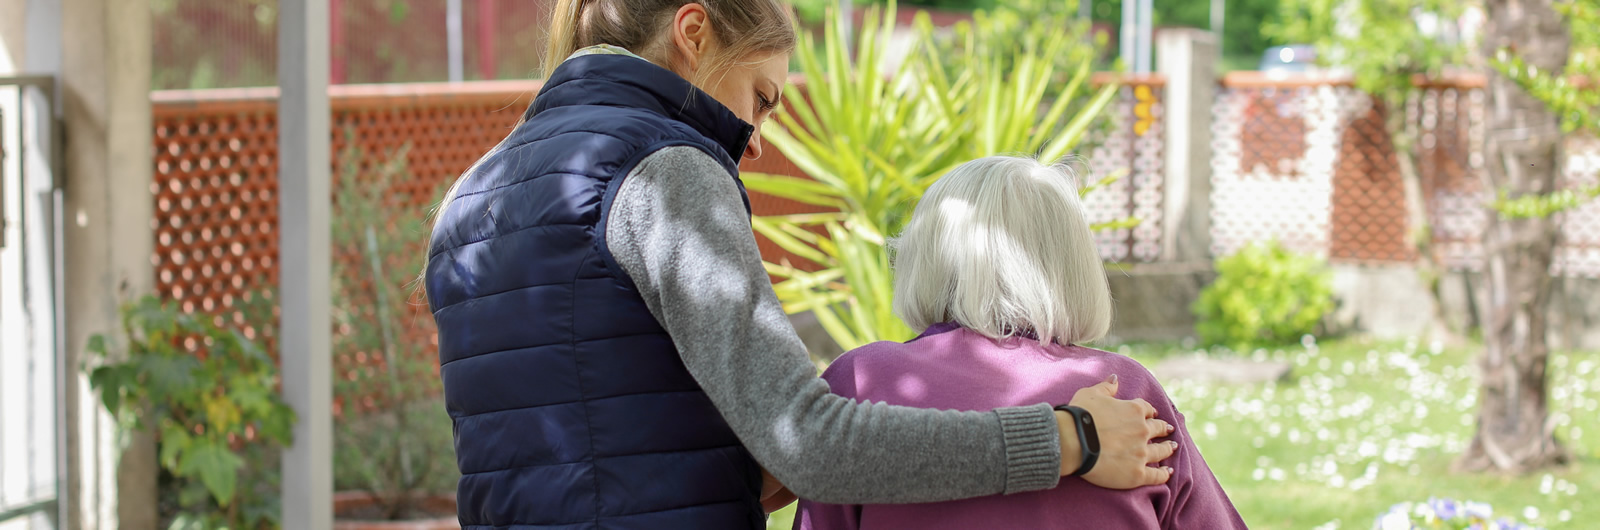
1069, 137
1119, 224
797, 189
174, 440
97, 344
188, 521
216, 466
770, 229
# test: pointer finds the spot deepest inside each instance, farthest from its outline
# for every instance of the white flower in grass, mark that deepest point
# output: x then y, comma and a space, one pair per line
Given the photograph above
1396, 519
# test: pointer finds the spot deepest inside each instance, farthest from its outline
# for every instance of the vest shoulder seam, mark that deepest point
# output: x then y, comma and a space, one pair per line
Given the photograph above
614, 186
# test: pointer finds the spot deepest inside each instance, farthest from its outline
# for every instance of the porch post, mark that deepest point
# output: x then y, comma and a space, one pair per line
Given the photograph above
102, 50
303, 239
1187, 57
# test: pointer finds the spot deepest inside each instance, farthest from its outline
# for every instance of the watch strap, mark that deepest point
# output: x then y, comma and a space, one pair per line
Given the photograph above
1088, 437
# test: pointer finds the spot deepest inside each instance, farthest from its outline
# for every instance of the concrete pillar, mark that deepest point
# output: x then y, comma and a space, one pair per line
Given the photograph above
99, 53
105, 48
13, 35
304, 162
1188, 59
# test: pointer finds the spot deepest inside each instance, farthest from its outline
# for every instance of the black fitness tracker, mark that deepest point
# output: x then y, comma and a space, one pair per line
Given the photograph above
1088, 437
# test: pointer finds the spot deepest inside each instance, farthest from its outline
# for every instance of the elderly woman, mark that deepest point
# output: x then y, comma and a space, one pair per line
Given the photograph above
998, 265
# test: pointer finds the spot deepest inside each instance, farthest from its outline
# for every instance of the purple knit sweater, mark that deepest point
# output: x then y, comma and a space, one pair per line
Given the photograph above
949, 367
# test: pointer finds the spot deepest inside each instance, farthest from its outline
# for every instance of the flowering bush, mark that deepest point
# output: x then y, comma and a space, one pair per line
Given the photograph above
1444, 514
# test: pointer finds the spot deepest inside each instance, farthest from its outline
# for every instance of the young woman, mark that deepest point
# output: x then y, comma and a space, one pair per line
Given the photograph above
612, 352
999, 266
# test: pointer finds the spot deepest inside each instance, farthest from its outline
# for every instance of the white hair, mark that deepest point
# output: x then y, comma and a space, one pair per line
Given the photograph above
1001, 245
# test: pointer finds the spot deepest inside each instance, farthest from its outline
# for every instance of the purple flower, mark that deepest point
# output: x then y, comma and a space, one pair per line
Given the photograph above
1478, 510
1445, 508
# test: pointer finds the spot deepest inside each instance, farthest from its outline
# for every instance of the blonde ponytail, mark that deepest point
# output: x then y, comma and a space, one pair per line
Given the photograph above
563, 38
743, 26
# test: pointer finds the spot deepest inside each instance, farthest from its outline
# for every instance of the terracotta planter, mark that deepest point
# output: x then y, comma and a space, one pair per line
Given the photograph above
349, 506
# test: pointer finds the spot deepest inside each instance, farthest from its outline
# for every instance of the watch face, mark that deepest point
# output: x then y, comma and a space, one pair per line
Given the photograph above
1091, 436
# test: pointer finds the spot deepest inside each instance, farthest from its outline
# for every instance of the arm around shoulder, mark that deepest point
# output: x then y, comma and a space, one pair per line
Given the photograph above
679, 229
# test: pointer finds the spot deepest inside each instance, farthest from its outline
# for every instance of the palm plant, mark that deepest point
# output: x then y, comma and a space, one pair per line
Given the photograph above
872, 144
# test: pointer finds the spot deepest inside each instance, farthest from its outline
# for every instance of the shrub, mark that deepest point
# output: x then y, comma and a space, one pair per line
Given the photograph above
388, 439
216, 414
1263, 295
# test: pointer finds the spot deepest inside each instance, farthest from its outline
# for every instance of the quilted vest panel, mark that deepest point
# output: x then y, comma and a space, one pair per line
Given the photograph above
572, 409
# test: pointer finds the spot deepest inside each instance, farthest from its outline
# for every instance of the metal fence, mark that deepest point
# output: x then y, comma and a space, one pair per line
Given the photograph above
32, 365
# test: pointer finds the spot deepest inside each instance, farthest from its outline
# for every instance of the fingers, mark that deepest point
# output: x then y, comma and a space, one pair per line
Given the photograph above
1144, 407
1157, 428
1155, 476
1110, 385
1157, 452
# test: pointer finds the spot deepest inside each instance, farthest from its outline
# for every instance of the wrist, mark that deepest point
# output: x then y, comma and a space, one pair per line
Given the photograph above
1088, 438
1071, 447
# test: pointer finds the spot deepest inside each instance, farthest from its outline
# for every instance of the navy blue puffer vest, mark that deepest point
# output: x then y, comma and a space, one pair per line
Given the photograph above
572, 409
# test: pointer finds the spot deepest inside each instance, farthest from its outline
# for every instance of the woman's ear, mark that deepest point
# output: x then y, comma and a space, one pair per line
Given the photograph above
691, 35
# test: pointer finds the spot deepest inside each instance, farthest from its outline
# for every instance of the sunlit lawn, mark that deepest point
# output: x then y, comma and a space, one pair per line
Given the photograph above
1362, 425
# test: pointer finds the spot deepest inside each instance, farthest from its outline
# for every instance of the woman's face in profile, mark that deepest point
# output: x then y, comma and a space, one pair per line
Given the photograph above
751, 89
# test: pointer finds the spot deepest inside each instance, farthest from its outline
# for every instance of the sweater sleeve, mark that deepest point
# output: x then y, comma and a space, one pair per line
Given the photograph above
813, 515
678, 228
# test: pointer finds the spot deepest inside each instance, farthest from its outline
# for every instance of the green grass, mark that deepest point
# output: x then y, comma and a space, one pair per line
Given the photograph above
1363, 425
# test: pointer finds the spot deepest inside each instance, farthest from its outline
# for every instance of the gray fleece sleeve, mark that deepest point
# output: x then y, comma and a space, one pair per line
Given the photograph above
679, 228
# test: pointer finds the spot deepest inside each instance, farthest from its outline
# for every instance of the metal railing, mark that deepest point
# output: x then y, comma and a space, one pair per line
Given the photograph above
33, 427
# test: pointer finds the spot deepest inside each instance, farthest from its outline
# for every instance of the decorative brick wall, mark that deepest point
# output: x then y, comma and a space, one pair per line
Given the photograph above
1131, 138
1308, 161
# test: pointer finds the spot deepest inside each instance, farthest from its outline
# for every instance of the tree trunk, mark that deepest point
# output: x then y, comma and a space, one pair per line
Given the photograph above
1399, 125
1523, 152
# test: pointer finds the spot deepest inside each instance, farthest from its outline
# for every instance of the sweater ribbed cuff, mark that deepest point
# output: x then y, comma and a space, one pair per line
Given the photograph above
1033, 448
